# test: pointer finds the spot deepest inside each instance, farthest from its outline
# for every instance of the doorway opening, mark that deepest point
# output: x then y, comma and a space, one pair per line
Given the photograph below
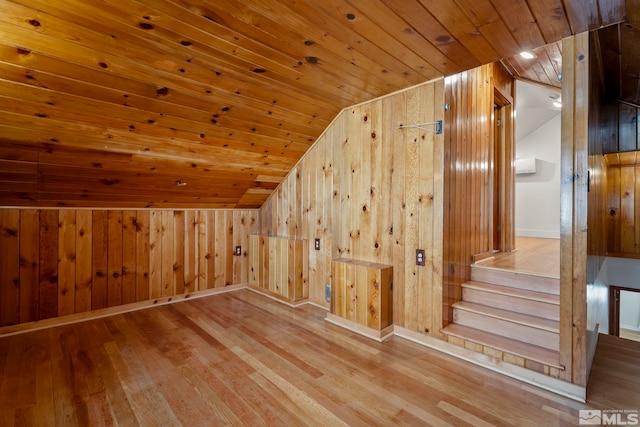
624, 312
503, 183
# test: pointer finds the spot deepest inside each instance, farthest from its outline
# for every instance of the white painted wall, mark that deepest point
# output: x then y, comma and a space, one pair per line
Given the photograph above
630, 310
598, 302
538, 195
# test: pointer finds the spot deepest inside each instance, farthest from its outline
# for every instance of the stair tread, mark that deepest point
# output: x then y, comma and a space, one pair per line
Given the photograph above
515, 292
510, 316
521, 272
516, 279
507, 345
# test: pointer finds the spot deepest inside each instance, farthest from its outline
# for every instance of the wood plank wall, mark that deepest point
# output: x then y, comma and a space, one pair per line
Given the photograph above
602, 130
622, 214
624, 131
468, 174
574, 164
373, 192
59, 262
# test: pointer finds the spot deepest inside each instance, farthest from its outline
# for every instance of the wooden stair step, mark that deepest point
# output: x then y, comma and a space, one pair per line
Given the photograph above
507, 345
523, 301
514, 292
515, 279
510, 316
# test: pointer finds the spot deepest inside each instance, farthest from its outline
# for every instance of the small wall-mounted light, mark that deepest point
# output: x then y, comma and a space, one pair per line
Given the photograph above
527, 55
180, 183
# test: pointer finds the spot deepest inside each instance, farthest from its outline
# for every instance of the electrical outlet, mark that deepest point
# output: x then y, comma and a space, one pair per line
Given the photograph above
316, 244
238, 251
420, 257
327, 292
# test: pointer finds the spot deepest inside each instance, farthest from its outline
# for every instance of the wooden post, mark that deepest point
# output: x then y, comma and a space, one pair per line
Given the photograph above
573, 208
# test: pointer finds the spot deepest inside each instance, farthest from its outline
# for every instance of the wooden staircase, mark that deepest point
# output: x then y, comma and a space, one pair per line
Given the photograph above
511, 312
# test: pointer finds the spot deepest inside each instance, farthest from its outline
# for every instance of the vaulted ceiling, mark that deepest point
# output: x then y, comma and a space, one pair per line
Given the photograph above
201, 103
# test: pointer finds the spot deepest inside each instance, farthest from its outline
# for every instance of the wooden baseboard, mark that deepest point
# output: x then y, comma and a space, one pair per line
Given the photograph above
315, 304
366, 331
563, 388
104, 312
277, 297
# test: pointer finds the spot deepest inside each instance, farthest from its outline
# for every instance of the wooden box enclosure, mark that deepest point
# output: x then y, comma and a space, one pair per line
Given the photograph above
361, 292
279, 266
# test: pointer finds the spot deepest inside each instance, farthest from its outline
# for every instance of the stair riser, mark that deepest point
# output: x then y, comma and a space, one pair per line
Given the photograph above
506, 302
516, 280
539, 337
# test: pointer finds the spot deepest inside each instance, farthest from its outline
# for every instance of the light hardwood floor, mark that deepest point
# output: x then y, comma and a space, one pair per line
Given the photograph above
630, 334
532, 255
243, 359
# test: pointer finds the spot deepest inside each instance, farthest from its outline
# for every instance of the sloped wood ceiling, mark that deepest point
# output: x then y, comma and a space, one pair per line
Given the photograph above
544, 68
196, 103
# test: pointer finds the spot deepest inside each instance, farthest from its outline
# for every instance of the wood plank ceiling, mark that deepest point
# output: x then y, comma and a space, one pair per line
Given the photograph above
196, 103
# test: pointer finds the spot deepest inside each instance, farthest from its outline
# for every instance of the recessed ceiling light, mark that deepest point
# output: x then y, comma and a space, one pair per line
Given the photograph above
557, 104
527, 55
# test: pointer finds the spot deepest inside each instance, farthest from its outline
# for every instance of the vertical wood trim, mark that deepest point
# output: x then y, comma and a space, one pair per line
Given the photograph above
179, 242
99, 265
396, 108
237, 241
129, 242
580, 214
66, 262
168, 251
202, 234
573, 217
84, 261
190, 261
29, 264
220, 256
211, 250
9, 267
437, 208
114, 259
155, 254
229, 248
142, 255
566, 207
